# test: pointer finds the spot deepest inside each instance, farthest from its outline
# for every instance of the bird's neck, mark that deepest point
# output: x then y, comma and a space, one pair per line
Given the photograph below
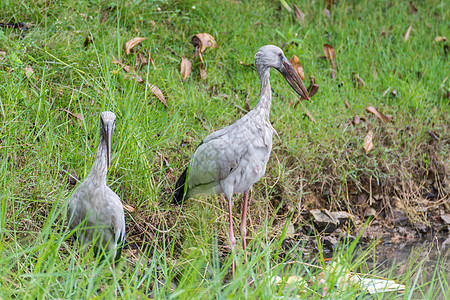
100, 168
265, 95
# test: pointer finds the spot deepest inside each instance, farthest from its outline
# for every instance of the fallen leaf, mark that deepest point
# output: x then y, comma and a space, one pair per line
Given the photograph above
375, 285
247, 104
347, 104
140, 59
132, 43
201, 41
29, 72
186, 66
310, 116
158, 93
136, 30
412, 8
128, 208
154, 89
313, 87
440, 39
73, 178
368, 143
356, 120
407, 33
359, 80
329, 3
297, 66
87, 41
326, 13
299, 15
296, 280
329, 54
384, 118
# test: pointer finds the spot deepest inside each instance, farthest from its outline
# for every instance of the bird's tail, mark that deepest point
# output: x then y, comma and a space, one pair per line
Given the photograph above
179, 194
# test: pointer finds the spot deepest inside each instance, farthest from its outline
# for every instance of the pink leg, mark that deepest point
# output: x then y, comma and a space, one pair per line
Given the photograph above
232, 238
244, 223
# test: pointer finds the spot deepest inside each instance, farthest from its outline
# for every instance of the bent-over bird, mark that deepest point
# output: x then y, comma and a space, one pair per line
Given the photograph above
232, 159
94, 209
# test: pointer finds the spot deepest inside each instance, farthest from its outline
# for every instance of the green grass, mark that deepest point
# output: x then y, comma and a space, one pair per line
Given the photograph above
40, 143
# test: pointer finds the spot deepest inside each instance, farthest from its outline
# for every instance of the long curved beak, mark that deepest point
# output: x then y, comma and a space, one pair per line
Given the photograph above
294, 79
109, 128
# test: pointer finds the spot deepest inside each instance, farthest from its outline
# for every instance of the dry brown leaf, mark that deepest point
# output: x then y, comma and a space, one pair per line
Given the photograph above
412, 8
329, 54
329, 3
326, 13
368, 143
140, 59
202, 41
382, 117
128, 208
154, 89
132, 43
407, 33
158, 93
297, 66
87, 41
29, 72
356, 120
347, 104
440, 39
310, 116
299, 15
136, 30
186, 66
359, 80
313, 87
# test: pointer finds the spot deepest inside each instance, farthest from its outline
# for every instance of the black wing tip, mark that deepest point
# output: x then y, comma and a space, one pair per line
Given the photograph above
179, 195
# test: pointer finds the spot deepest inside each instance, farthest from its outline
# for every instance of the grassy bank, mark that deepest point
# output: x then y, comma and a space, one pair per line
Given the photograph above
49, 129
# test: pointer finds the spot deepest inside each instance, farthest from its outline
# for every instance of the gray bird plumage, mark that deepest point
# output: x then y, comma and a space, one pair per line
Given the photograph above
94, 209
232, 159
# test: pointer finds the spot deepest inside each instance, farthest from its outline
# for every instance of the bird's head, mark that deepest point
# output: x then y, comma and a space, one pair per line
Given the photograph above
273, 56
107, 123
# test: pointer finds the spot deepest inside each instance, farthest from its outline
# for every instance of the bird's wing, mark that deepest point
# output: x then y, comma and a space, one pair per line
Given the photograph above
117, 216
217, 156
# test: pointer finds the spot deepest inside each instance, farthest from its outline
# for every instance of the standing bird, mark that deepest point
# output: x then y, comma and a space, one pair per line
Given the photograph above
232, 159
94, 210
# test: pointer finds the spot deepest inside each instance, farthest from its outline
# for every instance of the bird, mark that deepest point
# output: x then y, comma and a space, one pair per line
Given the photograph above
233, 158
94, 211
